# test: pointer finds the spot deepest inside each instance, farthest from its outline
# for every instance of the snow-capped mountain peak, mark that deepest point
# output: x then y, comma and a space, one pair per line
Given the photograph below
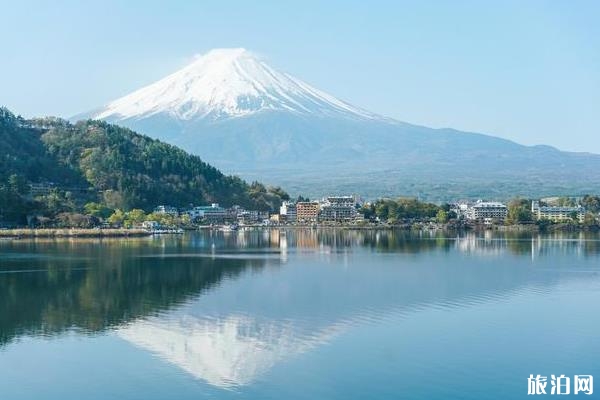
226, 83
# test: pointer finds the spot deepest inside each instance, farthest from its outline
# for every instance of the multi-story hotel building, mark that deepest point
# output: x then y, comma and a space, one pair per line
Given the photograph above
307, 211
557, 214
212, 214
338, 209
486, 211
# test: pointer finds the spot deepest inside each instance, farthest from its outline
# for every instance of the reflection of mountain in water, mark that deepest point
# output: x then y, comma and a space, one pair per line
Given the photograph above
230, 337
153, 292
226, 352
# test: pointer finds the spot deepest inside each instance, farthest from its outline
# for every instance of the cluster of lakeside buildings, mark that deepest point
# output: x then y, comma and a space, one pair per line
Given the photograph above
215, 214
335, 209
341, 209
489, 212
346, 210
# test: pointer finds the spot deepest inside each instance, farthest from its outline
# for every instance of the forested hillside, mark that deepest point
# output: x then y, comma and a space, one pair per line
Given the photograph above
22, 152
99, 162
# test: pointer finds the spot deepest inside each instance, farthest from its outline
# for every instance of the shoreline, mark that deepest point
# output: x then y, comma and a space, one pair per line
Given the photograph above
71, 232
19, 233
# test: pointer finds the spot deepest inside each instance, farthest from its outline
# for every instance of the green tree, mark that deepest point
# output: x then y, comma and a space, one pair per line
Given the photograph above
98, 210
368, 211
543, 224
590, 219
442, 217
280, 193
519, 211
574, 216
591, 203
566, 202
75, 220
55, 203
18, 184
117, 218
134, 217
113, 199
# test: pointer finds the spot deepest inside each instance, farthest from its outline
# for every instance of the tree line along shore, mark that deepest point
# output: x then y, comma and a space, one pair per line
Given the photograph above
71, 232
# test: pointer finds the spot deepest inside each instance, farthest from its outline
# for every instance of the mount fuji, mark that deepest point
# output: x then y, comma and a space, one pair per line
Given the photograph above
245, 117
228, 83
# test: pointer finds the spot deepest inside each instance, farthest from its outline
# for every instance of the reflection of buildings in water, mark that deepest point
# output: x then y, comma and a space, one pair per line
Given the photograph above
241, 239
306, 239
326, 241
578, 245
283, 245
225, 352
486, 245
274, 237
266, 236
492, 244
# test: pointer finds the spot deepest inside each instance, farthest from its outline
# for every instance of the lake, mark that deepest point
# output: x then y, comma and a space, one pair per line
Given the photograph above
297, 314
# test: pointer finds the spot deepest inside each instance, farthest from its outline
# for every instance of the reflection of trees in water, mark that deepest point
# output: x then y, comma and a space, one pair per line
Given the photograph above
97, 284
98, 287
402, 241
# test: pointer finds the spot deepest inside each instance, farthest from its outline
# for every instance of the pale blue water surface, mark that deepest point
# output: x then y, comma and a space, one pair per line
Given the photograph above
297, 314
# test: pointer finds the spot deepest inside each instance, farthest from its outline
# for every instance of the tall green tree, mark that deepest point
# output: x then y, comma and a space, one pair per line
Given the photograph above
519, 211
591, 203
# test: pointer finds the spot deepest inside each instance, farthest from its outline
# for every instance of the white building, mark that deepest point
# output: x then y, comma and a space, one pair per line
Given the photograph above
338, 209
460, 209
250, 217
557, 214
167, 210
213, 213
288, 211
150, 225
486, 212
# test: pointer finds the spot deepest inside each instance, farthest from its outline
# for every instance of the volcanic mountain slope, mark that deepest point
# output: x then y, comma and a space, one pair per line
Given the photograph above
230, 107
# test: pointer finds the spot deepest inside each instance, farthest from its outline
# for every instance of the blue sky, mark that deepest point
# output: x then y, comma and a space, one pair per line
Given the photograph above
523, 70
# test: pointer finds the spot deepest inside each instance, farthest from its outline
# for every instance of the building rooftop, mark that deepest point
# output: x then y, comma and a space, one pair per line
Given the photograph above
559, 209
489, 204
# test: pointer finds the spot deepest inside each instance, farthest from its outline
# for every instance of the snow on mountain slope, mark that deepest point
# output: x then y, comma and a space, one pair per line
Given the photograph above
227, 83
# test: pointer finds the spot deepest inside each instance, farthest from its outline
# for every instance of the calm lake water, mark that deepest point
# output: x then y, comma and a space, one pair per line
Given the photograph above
301, 314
